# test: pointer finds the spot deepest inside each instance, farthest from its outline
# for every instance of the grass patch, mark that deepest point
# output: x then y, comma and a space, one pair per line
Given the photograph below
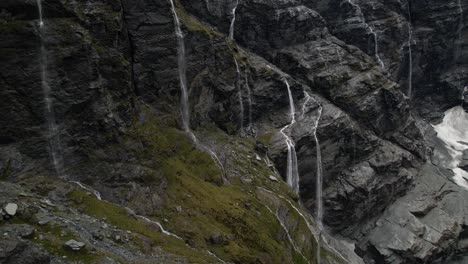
194, 24
119, 217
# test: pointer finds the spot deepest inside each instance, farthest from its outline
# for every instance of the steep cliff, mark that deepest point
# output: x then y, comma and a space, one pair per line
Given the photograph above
92, 124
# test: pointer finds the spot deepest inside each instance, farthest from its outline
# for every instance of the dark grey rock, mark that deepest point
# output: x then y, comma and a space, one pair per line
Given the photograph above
22, 252
74, 245
216, 239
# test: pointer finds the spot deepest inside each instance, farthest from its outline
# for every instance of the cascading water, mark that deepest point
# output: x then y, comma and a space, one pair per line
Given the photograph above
319, 171
371, 31
233, 21
307, 221
292, 174
410, 54
55, 149
89, 189
239, 95
184, 101
319, 180
461, 24
249, 98
39, 8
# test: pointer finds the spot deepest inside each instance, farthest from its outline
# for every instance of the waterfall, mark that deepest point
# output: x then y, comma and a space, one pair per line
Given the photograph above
353, 140
184, 101
410, 54
319, 171
39, 8
319, 180
291, 240
164, 231
371, 31
233, 21
292, 174
53, 135
215, 256
89, 189
307, 221
461, 24
239, 95
249, 98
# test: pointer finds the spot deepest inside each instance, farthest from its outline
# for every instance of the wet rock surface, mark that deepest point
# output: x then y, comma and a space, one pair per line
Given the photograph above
376, 72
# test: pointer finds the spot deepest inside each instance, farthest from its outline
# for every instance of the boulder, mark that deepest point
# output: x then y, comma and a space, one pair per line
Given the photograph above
73, 245
11, 208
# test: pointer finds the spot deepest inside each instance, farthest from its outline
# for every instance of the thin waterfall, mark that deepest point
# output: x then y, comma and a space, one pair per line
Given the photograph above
215, 256
319, 171
249, 98
307, 221
292, 174
291, 240
319, 183
164, 231
410, 54
39, 8
461, 24
353, 141
89, 189
208, 5
239, 95
233, 21
371, 31
319, 175
53, 135
184, 101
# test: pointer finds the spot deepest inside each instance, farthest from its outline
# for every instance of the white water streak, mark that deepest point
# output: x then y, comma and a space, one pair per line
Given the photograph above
182, 67
292, 174
410, 54
215, 256
53, 133
233, 21
89, 189
39, 7
164, 231
319, 174
315, 234
249, 98
239, 95
291, 240
371, 31
461, 25
184, 101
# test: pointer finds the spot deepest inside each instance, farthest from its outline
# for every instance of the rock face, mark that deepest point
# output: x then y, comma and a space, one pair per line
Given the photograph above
88, 73
364, 76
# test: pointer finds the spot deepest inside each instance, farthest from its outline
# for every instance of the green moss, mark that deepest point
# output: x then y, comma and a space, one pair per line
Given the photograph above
172, 149
194, 24
266, 137
119, 217
52, 237
208, 208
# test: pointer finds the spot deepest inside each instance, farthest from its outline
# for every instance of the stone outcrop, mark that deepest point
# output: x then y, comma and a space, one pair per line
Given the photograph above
112, 68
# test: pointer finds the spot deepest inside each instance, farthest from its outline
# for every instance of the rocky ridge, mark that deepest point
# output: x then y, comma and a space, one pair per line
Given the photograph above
113, 69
